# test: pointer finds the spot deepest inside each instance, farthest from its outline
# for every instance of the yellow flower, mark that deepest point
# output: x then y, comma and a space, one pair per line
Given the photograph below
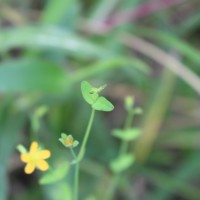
35, 158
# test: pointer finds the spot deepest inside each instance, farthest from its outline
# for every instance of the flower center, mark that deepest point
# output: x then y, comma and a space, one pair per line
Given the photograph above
69, 141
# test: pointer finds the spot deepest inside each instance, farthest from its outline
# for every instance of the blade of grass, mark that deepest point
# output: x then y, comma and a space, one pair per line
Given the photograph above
110, 64
171, 41
50, 38
189, 24
103, 9
163, 58
58, 11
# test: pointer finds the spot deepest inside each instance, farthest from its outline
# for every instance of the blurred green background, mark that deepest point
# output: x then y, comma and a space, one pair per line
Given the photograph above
145, 48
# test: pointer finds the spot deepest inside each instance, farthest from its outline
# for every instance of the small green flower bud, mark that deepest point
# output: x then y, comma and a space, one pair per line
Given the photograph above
129, 102
68, 141
97, 90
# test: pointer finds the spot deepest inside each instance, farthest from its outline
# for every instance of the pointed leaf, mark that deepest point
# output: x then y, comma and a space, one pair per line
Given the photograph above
75, 143
86, 89
63, 135
120, 164
55, 175
102, 104
127, 135
21, 148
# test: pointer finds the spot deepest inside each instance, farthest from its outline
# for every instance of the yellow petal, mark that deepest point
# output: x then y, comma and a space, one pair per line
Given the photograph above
29, 168
44, 154
42, 165
34, 147
25, 157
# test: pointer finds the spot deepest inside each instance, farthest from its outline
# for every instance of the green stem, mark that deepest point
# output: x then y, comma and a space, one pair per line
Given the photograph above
80, 155
86, 136
124, 144
73, 153
34, 132
76, 181
122, 151
76, 176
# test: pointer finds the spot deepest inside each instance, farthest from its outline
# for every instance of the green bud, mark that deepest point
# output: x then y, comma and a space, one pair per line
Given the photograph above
97, 90
129, 102
68, 141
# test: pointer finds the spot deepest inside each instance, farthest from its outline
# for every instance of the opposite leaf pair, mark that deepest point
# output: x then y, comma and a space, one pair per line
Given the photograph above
91, 96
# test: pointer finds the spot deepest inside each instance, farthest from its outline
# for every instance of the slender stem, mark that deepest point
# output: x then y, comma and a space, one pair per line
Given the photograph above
124, 144
80, 155
34, 129
73, 153
76, 181
86, 136
76, 176
122, 151
129, 120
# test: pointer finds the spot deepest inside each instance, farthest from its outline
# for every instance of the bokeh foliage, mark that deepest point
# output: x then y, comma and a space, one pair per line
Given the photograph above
48, 47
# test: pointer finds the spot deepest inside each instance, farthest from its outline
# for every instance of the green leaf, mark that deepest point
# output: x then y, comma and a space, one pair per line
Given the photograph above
36, 117
138, 111
55, 175
21, 148
50, 38
107, 65
31, 75
63, 135
75, 143
55, 11
86, 89
171, 41
102, 104
122, 163
127, 135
